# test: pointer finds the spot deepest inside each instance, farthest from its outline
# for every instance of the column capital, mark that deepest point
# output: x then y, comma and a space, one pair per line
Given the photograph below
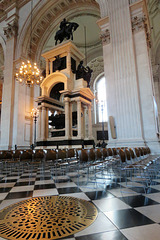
140, 23
103, 24
11, 30
105, 37
139, 19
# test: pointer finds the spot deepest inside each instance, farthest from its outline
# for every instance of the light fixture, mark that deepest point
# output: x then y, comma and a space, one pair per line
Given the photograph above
29, 73
35, 115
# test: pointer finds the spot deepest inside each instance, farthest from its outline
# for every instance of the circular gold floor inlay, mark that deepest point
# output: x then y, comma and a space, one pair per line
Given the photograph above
49, 217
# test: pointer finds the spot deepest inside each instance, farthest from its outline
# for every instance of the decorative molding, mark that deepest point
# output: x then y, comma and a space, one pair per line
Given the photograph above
156, 72
139, 23
155, 7
132, 1
97, 65
105, 37
11, 30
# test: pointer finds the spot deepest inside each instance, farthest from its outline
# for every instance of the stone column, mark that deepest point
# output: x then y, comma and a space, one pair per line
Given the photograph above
43, 124
79, 123
142, 44
82, 121
67, 118
47, 67
85, 122
156, 79
51, 67
69, 61
39, 124
47, 122
90, 135
8, 87
121, 74
70, 109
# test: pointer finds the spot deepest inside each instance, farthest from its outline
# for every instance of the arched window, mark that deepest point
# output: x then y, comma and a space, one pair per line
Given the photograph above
101, 114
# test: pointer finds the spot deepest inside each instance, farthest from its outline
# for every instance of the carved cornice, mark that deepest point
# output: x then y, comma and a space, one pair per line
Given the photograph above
11, 30
97, 65
137, 23
7, 6
140, 23
105, 37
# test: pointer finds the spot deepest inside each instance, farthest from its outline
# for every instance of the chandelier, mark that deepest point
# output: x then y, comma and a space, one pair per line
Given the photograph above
29, 73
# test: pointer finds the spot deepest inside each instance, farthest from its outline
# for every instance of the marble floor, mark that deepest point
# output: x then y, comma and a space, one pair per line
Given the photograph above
124, 211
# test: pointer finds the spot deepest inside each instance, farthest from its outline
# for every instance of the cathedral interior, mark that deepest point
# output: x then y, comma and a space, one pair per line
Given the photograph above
80, 119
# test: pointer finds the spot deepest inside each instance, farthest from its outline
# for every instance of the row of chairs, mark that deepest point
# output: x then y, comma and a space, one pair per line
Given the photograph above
133, 163
107, 162
50, 154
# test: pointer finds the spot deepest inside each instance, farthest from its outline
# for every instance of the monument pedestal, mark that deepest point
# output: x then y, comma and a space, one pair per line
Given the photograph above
75, 98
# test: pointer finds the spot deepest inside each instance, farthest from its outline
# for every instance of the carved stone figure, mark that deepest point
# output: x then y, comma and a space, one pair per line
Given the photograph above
84, 72
80, 71
57, 63
87, 75
66, 31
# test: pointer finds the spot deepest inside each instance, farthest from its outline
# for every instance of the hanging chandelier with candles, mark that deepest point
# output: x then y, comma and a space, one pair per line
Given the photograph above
29, 73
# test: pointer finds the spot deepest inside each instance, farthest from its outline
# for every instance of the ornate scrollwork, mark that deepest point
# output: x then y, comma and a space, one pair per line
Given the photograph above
139, 23
11, 30
105, 37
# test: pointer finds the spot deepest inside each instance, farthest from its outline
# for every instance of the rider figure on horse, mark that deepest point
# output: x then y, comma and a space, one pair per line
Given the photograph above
63, 25
66, 30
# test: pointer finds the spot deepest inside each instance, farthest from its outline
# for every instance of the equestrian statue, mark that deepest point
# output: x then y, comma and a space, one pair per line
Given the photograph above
66, 31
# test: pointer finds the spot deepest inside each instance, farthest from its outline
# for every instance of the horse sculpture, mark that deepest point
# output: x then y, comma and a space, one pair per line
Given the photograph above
66, 31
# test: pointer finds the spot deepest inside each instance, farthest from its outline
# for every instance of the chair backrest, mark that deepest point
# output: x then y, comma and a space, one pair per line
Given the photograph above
83, 156
17, 154
61, 153
128, 155
71, 153
51, 155
144, 150
38, 155
98, 153
132, 153
30, 151
148, 150
137, 152
8, 155
110, 152
91, 154
104, 153
114, 150
26, 155
122, 155
141, 151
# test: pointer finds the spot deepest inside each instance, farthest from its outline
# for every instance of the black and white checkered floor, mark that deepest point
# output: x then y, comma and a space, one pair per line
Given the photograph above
124, 212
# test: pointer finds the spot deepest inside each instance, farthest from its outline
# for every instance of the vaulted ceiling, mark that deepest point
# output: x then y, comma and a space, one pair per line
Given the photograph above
46, 20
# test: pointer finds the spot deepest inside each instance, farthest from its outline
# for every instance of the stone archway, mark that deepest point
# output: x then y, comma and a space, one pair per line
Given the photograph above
51, 80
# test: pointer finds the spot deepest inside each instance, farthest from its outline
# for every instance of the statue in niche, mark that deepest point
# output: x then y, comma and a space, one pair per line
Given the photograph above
87, 75
80, 71
66, 31
57, 63
84, 72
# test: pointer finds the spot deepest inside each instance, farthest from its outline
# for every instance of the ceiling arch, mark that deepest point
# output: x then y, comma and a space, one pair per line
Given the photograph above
46, 18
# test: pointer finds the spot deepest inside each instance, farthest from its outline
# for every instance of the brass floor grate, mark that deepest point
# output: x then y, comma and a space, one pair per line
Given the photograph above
49, 217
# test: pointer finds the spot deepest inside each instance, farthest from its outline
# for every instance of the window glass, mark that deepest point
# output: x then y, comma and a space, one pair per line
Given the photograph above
102, 100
